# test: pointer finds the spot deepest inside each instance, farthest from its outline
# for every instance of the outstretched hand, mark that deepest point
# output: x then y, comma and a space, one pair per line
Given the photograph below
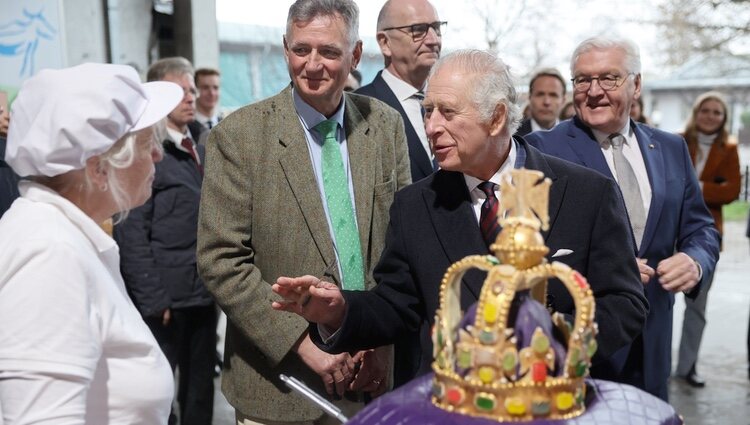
317, 301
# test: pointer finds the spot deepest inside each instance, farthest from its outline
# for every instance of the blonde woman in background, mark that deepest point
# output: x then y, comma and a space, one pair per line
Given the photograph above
717, 165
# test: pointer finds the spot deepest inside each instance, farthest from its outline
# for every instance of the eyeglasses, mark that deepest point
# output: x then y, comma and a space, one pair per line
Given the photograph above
606, 82
419, 31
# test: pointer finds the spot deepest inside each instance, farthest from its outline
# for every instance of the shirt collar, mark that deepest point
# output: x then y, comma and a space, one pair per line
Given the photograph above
603, 138
536, 127
509, 164
36, 192
204, 118
310, 117
176, 137
400, 88
706, 139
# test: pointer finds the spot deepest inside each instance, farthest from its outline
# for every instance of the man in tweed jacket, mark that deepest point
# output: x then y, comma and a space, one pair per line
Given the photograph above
264, 215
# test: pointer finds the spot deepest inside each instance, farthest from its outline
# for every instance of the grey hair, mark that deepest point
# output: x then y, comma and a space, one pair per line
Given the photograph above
627, 46
120, 156
492, 83
307, 10
176, 65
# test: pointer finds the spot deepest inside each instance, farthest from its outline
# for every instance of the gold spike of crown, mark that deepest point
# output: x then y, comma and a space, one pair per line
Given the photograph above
483, 367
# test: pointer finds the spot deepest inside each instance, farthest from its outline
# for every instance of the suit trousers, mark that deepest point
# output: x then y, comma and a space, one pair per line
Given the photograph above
692, 329
189, 343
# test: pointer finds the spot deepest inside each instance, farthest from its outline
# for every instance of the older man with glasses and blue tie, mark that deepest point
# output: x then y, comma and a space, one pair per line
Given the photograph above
673, 233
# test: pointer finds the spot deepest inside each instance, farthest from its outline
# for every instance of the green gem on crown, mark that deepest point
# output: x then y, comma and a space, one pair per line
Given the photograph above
510, 360
464, 358
591, 348
540, 407
540, 343
581, 368
438, 390
487, 336
485, 402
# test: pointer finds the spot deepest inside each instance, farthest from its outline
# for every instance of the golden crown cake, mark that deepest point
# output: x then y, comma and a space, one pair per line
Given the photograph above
508, 359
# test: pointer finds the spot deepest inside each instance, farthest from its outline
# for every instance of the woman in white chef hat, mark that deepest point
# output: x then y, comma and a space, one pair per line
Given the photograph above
73, 348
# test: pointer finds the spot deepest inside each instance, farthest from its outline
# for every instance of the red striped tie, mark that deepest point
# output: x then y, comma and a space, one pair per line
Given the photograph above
190, 147
488, 218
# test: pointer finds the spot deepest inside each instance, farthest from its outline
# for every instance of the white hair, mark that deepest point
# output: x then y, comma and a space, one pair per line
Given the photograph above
627, 46
492, 83
120, 156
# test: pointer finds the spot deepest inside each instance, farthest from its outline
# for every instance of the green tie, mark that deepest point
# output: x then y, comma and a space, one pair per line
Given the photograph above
340, 209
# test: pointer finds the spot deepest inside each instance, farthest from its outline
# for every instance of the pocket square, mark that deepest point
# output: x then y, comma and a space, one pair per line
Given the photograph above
562, 253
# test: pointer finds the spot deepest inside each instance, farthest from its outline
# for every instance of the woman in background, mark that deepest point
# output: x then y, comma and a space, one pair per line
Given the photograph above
636, 111
567, 111
73, 348
717, 165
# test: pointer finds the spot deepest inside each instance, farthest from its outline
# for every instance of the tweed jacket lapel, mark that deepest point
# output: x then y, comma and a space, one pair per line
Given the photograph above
295, 161
362, 161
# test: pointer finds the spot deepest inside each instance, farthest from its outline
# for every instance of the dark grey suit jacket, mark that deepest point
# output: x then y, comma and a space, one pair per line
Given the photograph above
158, 239
419, 161
524, 128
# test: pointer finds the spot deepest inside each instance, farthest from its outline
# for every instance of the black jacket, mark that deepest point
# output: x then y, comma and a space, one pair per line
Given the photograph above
158, 240
524, 128
8, 181
419, 161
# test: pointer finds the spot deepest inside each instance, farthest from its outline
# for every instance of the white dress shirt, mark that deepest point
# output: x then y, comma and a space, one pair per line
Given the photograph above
206, 121
412, 106
472, 183
536, 127
632, 152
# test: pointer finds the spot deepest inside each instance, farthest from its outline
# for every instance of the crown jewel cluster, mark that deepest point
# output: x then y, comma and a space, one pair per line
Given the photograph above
512, 360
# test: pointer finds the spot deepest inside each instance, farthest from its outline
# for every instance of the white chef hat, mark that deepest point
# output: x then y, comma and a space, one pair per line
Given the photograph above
62, 117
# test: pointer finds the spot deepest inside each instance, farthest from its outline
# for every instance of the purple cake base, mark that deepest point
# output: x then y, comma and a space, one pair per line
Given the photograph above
608, 403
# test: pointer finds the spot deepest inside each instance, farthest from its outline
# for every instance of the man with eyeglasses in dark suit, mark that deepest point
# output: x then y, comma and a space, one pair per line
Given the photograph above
409, 35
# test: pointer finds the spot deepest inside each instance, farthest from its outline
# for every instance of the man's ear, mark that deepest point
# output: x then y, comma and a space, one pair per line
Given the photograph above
637, 82
499, 120
286, 49
357, 54
383, 42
